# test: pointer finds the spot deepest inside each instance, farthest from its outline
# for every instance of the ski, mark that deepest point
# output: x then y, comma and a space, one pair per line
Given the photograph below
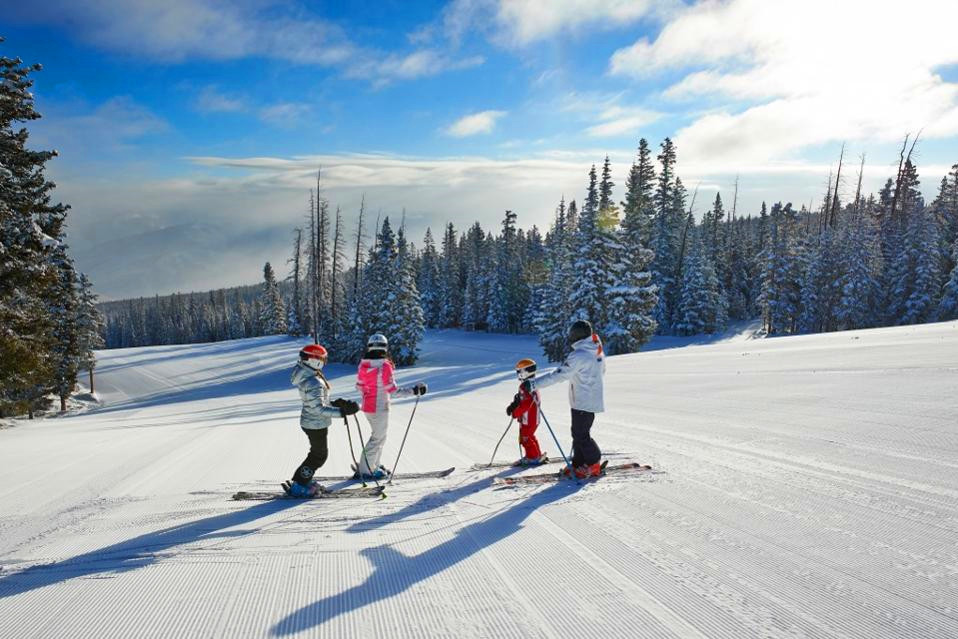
478, 466
631, 468
342, 493
424, 475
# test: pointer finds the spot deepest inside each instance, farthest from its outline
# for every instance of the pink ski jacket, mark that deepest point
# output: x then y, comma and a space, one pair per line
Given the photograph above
375, 383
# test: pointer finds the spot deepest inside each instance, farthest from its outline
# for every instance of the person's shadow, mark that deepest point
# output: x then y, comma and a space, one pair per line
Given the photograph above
429, 502
137, 552
394, 572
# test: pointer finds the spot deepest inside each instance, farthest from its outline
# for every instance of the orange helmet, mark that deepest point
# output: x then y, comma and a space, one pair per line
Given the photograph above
526, 368
314, 356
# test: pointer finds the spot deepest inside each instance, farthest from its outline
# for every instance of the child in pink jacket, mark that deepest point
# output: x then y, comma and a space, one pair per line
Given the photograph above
376, 383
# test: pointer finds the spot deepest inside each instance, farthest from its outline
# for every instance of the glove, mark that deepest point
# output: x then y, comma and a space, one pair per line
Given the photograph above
513, 406
419, 389
346, 407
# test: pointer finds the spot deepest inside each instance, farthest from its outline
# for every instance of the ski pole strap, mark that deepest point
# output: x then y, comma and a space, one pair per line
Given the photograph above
403, 444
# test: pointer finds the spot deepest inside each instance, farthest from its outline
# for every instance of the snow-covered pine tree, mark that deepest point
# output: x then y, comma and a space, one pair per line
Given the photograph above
859, 304
948, 306
452, 290
552, 310
633, 295
780, 297
31, 224
90, 326
590, 271
64, 310
665, 238
408, 327
272, 318
429, 282
702, 306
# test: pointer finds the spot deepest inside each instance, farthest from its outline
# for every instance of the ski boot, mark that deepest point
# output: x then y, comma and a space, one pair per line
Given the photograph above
296, 489
378, 475
531, 461
583, 472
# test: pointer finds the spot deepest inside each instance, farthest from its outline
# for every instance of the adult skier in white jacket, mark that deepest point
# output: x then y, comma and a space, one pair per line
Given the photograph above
583, 368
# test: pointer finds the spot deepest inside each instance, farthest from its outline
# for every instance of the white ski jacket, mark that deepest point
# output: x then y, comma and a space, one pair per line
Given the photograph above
314, 391
584, 368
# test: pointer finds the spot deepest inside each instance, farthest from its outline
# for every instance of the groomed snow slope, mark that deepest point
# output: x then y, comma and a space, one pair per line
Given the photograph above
809, 489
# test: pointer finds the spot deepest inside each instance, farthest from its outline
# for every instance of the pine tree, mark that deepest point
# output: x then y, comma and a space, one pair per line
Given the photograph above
702, 307
90, 326
429, 282
858, 306
591, 277
665, 239
948, 306
633, 295
31, 230
272, 318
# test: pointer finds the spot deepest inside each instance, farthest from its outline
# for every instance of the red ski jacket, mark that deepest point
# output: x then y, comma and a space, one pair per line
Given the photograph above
527, 412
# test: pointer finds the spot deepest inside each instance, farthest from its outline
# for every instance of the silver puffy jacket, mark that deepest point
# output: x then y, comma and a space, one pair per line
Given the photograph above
314, 391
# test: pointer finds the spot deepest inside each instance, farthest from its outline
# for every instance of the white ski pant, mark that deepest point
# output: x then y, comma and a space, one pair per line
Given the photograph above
378, 424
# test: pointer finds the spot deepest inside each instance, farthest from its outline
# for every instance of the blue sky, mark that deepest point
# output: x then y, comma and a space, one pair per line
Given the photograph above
190, 132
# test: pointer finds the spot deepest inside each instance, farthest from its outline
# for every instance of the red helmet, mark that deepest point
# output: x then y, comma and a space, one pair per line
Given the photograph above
313, 352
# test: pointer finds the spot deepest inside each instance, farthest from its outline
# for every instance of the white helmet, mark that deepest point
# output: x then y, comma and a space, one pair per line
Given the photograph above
377, 342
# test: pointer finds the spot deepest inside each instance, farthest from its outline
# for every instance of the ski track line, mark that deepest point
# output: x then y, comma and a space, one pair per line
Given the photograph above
745, 604
663, 614
529, 609
785, 565
860, 493
808, 466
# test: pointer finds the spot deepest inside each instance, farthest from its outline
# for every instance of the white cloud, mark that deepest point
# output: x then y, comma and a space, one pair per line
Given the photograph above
621, 121
284, 113
474, 124
519, 23
211, 100
810, 72
115, 125
180, 30
614, 118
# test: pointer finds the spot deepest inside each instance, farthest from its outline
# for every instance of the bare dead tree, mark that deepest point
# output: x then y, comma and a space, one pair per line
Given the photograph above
858, 189
833, 205
336, 268
359, 246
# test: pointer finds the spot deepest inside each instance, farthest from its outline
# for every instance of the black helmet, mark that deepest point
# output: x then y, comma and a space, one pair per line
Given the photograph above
580, 329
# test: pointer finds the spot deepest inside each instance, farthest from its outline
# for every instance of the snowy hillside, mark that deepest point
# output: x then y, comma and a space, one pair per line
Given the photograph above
808, 489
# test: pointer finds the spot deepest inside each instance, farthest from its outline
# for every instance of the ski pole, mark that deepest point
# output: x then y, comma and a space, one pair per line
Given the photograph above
365, 459
555, 439
352, 453
496, 449
403, 444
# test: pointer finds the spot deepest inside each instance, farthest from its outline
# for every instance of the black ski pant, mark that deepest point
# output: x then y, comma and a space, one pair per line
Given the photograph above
584, 449
318, 452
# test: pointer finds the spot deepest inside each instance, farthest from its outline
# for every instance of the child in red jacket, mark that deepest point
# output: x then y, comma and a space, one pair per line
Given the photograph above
525, 409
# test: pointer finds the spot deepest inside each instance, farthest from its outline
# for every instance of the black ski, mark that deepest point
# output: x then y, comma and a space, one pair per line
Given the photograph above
342, 493
631, 468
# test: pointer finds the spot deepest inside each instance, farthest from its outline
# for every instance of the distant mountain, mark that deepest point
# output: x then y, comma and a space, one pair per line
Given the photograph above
181, 258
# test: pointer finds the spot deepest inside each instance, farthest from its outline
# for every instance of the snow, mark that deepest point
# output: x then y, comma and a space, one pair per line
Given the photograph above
808, 489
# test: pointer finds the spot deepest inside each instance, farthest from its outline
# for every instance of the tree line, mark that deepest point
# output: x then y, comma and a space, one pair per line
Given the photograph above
641, 266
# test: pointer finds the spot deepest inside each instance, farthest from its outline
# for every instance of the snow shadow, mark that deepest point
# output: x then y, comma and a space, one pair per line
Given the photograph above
394, 572
137, 552
428, 502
